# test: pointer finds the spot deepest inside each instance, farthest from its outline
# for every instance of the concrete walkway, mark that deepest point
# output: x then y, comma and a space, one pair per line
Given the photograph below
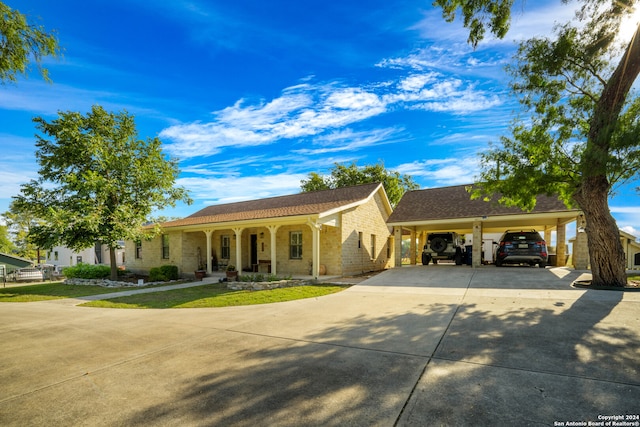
435, 345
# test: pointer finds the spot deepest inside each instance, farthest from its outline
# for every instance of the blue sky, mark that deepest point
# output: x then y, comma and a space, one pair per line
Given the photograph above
252, 96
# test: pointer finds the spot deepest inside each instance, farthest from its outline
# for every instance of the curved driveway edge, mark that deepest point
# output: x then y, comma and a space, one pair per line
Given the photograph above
434, 345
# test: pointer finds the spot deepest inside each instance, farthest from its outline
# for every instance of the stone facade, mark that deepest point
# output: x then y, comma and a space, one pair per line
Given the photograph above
362, 226
346, 241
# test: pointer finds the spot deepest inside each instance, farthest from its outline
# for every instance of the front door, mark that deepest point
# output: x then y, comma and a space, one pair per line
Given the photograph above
254, 250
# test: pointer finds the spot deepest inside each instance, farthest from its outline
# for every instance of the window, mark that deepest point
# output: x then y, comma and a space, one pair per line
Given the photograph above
55, 255
165, 246
389, 243
225, 247
295, 244
139, 249
373, 246
359, 239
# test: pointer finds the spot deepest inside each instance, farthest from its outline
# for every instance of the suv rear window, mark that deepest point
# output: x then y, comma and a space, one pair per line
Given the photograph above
528, 236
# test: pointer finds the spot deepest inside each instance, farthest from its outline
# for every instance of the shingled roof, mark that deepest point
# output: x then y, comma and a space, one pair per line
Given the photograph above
455, 203
310, 203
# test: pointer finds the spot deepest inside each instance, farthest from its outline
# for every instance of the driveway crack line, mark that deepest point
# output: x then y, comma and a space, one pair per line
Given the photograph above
435, 350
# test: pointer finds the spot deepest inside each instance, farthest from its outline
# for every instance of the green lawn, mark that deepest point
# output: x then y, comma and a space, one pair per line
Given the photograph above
48, 291
214, 295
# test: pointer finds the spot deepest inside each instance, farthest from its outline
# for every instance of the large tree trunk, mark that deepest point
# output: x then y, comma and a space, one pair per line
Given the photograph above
112, 262
605, 248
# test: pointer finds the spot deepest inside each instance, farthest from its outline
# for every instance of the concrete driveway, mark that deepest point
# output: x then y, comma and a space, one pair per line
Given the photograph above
434, 345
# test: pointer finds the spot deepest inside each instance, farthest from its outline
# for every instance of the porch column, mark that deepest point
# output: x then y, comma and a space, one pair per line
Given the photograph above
547, 234
315, 253
208, 233
581, 249
476, 254
561, 244
413, 246
397, 246
238, 232
273, 229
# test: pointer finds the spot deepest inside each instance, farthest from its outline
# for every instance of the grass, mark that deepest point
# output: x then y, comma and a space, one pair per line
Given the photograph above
49, 291
214, 295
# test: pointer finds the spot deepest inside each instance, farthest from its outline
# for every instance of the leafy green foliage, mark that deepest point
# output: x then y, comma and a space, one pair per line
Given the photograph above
97, 181
20, 43
164, 273
87, 271
580, 134
6, 245
478, 15
19, 223
395, 184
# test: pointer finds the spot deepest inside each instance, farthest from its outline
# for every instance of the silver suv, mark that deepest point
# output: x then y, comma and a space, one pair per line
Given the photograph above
442, 246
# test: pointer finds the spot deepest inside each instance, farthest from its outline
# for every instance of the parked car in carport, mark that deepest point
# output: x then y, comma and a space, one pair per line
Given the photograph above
522, 247
442, 246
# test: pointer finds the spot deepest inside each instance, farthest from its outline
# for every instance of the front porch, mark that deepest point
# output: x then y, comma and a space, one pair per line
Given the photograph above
285, 250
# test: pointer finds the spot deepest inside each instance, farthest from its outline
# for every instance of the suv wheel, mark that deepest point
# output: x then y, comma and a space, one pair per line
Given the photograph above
426, 258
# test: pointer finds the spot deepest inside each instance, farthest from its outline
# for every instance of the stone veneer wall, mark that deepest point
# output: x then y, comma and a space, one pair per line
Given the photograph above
286, 265
368, 219
152, 254
339, 251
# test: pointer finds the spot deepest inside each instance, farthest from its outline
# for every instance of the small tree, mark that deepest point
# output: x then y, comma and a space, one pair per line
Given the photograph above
395, 184
19, 223
20, 42
6, 245
98, 182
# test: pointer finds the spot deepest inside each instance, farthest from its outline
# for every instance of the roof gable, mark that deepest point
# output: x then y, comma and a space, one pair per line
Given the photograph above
309, 203
455, 202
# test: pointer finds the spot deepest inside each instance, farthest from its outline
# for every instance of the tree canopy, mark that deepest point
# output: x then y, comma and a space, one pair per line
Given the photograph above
21, 42
97, 181
6, 245
578, 135
394, 183
19, 223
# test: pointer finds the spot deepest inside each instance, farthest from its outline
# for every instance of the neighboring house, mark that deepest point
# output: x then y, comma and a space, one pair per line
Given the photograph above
10, 263
98, 254
630, 246
332, 232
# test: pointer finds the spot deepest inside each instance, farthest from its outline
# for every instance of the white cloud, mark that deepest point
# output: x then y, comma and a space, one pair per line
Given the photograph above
631, 210
234, 189
349, 140
631, 230
308, 110
442, 172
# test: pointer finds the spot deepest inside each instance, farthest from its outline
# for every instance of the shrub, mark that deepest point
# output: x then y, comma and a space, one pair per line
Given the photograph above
163, 273
87, 271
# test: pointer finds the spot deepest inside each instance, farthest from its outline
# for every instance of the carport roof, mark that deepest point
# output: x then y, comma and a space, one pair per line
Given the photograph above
454, 205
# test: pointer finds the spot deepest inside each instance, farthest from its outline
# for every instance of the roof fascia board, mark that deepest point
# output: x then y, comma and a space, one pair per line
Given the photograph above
568, 215
359, 203
246, 223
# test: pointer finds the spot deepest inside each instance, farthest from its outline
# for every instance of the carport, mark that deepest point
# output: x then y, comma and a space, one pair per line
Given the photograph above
421, 212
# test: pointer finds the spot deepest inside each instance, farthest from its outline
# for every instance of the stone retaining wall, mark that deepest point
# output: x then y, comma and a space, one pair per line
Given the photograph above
261, 286
105, 283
